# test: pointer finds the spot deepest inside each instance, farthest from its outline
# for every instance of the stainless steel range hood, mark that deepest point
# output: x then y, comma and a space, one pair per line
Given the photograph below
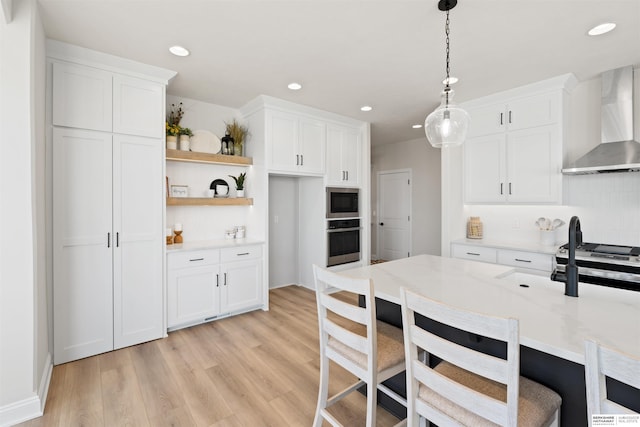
617, 152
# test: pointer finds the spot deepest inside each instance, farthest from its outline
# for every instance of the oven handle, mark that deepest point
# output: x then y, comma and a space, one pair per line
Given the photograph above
338, 230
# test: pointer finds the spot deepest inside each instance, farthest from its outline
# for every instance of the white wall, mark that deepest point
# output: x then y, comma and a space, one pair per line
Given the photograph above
608, 205
424, 162
24, 353
283, 231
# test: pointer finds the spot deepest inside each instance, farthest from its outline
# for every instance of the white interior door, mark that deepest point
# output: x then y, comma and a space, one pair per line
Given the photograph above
394, 210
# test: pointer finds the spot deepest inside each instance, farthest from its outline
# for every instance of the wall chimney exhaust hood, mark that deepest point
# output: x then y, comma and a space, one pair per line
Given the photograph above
617, 152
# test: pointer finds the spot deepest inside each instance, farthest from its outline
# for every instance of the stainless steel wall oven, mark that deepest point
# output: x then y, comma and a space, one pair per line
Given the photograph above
343, 241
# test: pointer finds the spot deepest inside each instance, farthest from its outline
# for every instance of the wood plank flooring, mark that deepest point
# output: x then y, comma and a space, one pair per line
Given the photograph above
255, 369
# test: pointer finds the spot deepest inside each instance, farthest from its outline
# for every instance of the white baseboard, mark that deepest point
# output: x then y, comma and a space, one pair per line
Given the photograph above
31, 407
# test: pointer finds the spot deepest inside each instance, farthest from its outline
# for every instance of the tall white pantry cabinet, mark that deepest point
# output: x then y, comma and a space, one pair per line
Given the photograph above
108, 191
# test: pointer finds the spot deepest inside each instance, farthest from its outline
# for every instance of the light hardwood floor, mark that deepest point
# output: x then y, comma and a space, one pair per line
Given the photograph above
255, 369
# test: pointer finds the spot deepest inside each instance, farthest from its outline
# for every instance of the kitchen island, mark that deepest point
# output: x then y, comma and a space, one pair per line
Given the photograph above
553, 327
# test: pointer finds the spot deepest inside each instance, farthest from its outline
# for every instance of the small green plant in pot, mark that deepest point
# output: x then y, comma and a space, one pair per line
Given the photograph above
239, 180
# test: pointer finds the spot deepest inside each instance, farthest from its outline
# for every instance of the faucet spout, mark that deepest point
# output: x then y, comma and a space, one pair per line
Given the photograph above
575, 240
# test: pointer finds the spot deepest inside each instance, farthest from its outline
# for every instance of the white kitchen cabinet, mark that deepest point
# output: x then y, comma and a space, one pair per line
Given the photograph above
524, 260
206, 284
193, 284
90, 98
344, 151
138, 107
82, 97
297, 144
514, 152
107, 241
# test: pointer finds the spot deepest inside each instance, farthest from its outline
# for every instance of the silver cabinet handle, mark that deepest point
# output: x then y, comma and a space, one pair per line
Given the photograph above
509, 116
301, 159
509, 188
501, 120
473, 253
501, 185
243, 253
108, 240
117, 240
523, 260
196, 259
217, 280
297, 159
225, 279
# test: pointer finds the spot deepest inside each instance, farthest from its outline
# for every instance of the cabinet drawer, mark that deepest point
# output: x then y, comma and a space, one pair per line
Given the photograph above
240, 253
193, 258
532, 260
476, 253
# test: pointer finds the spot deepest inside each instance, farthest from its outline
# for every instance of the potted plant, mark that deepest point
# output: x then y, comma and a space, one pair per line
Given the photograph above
239, 183
239, 133
185, 139
172, 132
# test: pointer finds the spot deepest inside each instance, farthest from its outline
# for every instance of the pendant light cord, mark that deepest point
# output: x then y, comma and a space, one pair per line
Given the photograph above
446, 89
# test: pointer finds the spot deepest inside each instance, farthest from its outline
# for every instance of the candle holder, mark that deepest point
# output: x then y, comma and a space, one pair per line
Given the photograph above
178, 238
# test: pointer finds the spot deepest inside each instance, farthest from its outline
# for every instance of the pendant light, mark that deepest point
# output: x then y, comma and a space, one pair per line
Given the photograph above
447, 125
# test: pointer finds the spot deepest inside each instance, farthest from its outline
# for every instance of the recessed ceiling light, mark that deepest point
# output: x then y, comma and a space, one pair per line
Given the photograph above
294, 86
451, 80
601, 29
179, 51
366, 108
416, 126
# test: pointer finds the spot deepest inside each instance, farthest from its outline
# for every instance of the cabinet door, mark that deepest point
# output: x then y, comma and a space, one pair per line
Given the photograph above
82, 244
138, 107
533, 111
137, 224
533, 165
311, 146
487, 120
241, 286
192, 294
81, 97
484, 169
344, 151
282, 154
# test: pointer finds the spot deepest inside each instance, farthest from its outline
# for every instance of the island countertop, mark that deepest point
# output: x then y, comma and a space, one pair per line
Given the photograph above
550, 321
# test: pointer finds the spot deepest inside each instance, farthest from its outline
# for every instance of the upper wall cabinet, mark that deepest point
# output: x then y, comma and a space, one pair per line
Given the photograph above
94, 99
513, 153
297, 144
344, 151
82, 97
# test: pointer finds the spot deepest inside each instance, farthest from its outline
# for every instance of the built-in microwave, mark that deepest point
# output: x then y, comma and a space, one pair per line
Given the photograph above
342, 202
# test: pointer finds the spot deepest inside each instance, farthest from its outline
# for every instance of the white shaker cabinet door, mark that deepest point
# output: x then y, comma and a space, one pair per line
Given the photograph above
485, 169
487, 120
82, 244
82, 97
192, 294
241, 285
138, 107
282, 153
344, 151
137, 223
311, 146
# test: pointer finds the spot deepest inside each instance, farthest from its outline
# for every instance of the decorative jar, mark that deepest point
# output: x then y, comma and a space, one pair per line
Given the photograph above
172, 142
185, 142
474, 228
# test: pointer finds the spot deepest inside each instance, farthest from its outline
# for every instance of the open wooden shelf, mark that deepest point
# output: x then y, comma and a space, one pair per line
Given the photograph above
209, 201
192, 156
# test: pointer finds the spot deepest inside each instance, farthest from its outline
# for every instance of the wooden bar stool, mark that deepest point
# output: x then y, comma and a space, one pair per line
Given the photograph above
602, 362
469, 388
373, 351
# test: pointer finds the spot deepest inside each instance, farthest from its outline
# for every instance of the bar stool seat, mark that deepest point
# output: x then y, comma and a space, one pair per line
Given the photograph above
537, 404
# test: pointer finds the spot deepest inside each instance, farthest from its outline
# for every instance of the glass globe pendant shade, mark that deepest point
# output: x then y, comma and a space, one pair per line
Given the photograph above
447, 125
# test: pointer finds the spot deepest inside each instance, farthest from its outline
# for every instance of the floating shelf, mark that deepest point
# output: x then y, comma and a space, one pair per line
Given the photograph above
209, 201
194, 157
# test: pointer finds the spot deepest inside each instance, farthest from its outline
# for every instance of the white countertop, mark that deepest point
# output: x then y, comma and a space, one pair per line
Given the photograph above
549, 321
518, 246
212, 244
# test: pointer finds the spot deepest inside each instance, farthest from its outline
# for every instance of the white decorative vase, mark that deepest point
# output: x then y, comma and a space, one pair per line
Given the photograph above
172, 142
240, 193
185, 142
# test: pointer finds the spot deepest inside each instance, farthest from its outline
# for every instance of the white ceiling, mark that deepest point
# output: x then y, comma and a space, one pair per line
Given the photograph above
388, 54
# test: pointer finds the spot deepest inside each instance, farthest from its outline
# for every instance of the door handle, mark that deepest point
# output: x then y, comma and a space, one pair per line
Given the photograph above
382, 223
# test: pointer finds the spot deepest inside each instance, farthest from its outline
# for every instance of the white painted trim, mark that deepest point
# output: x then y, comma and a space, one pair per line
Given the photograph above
80, 55
31, 407
5, 11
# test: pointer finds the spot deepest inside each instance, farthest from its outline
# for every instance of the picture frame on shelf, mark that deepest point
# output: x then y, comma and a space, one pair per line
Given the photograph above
180, 191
